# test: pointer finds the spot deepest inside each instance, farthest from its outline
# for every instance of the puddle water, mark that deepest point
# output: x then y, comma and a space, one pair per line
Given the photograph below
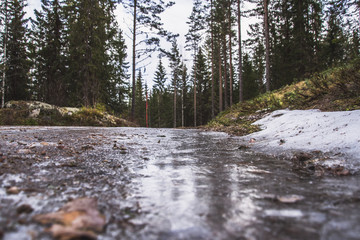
169, 184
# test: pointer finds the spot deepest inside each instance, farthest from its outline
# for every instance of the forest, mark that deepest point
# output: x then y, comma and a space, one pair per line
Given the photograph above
73, 53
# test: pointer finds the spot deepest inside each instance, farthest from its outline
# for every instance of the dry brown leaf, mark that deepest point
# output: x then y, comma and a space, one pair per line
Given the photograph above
69, 233
289, 198
76, 219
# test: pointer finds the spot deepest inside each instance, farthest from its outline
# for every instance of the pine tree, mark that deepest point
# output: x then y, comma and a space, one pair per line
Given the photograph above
145, 14
212, 59
193, 38
139, 95
267, 44
230, 32
48, 46
117, 88
159, 90
4, 41
17, 64
251, 79
202, 77
184, 92
335, 40
89, 27
241, 91
175, 66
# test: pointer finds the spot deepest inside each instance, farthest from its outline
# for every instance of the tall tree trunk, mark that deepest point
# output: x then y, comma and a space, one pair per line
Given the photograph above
5, 58
134, 63
195, 91
225, 72
147, 110
182, 108
220, 85
159, 119
267, 44
241, 90
175, 93
212, 63
230, 57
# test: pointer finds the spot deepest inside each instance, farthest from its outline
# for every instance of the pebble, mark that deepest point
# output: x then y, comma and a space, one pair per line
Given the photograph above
24, 208
24, 151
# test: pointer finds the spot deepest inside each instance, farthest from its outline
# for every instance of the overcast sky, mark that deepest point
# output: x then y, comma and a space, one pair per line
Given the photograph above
174, 20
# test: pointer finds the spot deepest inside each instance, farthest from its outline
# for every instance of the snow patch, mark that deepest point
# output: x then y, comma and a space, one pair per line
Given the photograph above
337, 133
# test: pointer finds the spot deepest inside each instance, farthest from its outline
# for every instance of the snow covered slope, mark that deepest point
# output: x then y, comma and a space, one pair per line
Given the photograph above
335, 132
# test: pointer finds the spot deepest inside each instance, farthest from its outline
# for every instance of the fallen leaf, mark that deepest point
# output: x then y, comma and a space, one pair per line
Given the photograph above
78, 219
289, 198
87, 147
68, 233
341, 171
13, 190
302, 156
24, 151
243, 147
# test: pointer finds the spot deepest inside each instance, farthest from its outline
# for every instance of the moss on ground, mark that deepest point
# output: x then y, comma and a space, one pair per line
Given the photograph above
21, 114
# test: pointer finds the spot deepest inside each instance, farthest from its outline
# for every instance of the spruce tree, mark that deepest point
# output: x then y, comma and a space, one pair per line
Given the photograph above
184, 93
193, 37
175, 66
204, 88
140, 99
17, 64
117, 87
4, 17
48, 44
159, 90
251, 79
240, 79
334, 42
89, 32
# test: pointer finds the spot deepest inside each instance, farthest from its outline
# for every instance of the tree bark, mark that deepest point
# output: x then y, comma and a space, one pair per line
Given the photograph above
195, 91
5, 58
134, 64
182, 108
212, 63
225, 72
230, 57
267, 44
175, 93
220, 85
241, 90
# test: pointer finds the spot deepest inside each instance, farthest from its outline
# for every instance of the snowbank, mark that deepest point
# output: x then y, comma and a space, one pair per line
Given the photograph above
337, 133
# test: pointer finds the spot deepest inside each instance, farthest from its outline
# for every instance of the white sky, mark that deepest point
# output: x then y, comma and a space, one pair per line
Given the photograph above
174, 20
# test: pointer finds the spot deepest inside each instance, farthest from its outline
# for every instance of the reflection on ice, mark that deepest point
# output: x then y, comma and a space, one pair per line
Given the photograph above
290, 213
171, 184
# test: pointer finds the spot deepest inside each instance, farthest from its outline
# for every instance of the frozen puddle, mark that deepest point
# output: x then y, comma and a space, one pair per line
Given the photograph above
168, 184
